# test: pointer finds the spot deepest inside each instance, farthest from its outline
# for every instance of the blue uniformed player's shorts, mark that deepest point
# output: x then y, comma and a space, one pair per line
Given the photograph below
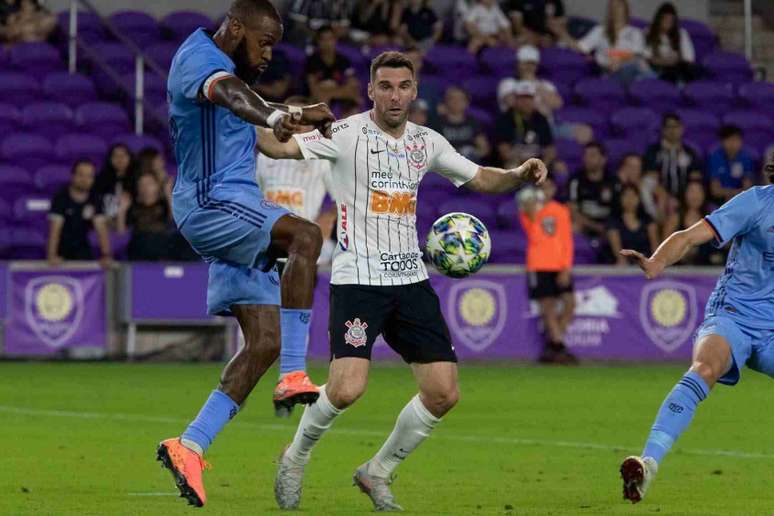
232, 233
749, 346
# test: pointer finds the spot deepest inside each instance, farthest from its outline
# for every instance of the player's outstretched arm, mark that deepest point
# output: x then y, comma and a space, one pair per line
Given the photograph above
317, 115
672, 249
269, 145
496, 180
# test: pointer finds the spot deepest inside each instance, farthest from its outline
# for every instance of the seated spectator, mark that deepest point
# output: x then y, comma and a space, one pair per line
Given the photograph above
29, 23
537, 22
618, 47
632, 229
419, 112
486, 26
329, 74
151, 161
730, 166
463, 131
308, 16
75, 209
274, 83
522, 132
149, 216
115, 178
592, 193
460, 15
419, 25
671, 163
7, 8
374, 22
692, 209
668, 47
630, 173
547, 98
426, 90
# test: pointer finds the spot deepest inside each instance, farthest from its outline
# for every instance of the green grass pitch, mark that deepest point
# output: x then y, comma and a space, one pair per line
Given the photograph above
80, 439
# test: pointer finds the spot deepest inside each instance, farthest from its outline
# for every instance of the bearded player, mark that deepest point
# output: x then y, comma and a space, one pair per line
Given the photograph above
220, 210
379, 284
738, 327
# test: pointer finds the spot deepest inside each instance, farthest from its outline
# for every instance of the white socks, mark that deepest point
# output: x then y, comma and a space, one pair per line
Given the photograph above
317, 418
414, 425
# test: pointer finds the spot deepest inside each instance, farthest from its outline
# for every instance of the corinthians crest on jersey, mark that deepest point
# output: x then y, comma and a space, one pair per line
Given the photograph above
375, 178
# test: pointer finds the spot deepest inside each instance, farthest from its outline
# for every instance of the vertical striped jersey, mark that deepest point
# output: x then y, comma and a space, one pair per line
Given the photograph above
375, 178
298, 185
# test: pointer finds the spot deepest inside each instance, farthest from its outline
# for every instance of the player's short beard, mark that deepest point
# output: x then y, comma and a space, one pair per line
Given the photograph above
389, 122
243, 69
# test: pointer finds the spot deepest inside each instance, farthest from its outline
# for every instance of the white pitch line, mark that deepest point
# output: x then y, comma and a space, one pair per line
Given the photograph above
153, 494
479, 439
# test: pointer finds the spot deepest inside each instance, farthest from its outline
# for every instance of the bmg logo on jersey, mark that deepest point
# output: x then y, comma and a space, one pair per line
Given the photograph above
398, 203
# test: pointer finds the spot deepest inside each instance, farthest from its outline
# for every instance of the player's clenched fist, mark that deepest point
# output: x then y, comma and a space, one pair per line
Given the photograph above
286, 127
319, 116
533, 171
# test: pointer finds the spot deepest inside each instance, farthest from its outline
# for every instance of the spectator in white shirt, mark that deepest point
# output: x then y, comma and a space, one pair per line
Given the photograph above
618, 47
669, 48
487, 26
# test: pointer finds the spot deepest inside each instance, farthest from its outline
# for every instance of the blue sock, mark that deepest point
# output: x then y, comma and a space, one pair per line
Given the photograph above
294, 325
675, 414
213, 416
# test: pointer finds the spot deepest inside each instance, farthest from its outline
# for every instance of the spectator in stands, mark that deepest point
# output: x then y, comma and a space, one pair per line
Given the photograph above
630, 173
548, 227
374, 22
151, 161
75, 209
693, 207
730, 166
462, 130
307, 17
419, 112
330, 74
632, 229
115, 178
7, 8
671, 162
668, 47
592, 193
537, 22
487, 26
617, 46
274, 83
29, 23
426, 90
149, 216
523, 132
419, 25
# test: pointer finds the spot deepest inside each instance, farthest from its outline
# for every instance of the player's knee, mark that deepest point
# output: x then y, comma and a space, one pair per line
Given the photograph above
307, 241
265, 345
441, 401
342, 396
708, 371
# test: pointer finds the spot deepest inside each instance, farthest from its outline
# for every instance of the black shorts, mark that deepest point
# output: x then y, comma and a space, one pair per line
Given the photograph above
408, 316
543, 284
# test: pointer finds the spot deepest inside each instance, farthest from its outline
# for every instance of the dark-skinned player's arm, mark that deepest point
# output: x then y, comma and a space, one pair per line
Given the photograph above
497, 180
317, 115
270, 146
672, 249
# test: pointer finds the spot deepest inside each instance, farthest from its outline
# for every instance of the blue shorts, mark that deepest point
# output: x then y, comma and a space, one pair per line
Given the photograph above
232, 233
753, 347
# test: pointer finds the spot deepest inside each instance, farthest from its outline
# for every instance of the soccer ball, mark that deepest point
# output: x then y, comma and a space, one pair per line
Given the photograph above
458, 244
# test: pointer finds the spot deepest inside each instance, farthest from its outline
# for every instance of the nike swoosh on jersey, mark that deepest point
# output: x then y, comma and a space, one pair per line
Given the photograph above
377, 151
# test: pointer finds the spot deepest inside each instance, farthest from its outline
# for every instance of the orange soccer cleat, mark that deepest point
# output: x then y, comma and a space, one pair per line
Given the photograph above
293, 388
186, 466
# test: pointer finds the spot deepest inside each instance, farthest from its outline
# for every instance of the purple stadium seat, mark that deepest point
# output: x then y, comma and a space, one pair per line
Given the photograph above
638, 22
375, 51
635, 121
728, 67
295, 56
162, 53
117, 55
596, 119
36, 59
601, 94
508, 246
31, 208
14, 177
698, 119
568, 150
484, 210
748, 120
10, 117
51, 178
28, 244
138, 26
482, 91
27, 150
704, 40
72, 89
450, 60
48, 118
658, 95
178, 25
563, 65
498, 61
508, 215
5, 215
432, 180
72, 147
18, 88
758, 95
617, 148
483, 117
354, 54
701, 140
760, 140
137, 142
155, 86
102, 118
584, 252
90, 29
713, 96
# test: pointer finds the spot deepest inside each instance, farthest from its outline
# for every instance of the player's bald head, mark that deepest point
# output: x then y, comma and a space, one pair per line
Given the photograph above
253, 13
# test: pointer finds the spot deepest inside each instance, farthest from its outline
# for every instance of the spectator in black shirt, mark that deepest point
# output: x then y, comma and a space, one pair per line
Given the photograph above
149, 217
632, 229
329, 74
115, 178
308, 16
74, 211
693, 207
274, 83
537, 22
419, 25
463, 131
426, 90
592, 193
522, 131
375, 21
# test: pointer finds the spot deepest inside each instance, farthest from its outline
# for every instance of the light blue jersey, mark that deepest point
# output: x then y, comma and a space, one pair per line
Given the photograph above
216, 202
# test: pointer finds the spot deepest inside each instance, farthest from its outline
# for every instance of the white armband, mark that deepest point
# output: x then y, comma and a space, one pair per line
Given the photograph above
296, 110
275, 117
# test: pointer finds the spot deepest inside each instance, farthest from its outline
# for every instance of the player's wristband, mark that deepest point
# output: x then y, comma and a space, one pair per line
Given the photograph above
295, 110
275, 117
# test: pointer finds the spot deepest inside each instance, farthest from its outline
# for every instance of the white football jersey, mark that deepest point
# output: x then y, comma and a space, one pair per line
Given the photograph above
299, 186
374, 180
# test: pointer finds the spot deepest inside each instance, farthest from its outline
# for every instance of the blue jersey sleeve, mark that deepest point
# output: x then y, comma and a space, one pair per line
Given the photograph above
735, 217
197, 66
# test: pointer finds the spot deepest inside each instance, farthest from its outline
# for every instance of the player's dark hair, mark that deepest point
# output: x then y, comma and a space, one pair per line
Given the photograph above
596, 145
391, 59
727, 131
674, 117
249, 11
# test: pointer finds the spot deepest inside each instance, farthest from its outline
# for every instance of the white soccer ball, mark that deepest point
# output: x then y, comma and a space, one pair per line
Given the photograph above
458, 244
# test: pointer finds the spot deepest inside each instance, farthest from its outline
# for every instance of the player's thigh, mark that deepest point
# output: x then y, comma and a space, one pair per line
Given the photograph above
417, 329
292, 233
231, 284
347, 380
721, 349
357, 315
762, 359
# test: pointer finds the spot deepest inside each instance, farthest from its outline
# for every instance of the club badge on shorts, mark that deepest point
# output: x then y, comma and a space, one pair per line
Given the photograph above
356, 333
